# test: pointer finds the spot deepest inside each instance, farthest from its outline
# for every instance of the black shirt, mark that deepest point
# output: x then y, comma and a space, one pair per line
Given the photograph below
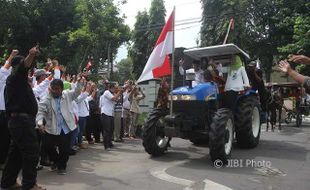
18, 94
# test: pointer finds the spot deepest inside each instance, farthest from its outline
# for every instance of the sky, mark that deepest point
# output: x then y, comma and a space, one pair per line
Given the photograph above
187, 20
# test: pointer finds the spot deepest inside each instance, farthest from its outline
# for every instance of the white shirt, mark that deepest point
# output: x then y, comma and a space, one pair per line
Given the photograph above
107, 104
75, 110
126, 103
237, 80
199, 78
4, 73
41, 90
83, 106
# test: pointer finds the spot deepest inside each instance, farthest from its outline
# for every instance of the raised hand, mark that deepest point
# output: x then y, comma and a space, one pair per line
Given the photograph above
284, 66
14, 52
301, 59
34, 51
181, 62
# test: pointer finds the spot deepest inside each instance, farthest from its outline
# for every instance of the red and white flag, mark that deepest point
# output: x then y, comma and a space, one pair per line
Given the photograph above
158, 64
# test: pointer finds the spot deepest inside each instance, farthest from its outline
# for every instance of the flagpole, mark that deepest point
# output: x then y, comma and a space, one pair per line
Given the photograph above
228, 31
172, 63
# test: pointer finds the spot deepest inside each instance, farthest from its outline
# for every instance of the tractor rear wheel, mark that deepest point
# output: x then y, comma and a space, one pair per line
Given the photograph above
247, 122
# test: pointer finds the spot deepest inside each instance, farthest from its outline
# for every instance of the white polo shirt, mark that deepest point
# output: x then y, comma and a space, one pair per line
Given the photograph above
107, 104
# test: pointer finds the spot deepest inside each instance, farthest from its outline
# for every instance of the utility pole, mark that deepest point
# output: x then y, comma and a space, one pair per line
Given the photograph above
110, 61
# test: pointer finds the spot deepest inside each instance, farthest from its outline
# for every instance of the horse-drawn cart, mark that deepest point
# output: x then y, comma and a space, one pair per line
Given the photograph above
294, 100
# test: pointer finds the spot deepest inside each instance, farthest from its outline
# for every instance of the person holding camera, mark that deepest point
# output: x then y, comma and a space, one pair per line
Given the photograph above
126, 108
135, 97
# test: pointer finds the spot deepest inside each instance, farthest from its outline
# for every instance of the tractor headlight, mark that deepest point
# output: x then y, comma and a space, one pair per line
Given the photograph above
173, 97
188, 97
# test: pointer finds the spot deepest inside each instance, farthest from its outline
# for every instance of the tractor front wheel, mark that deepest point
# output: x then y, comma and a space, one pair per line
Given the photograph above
221, 135
154, 140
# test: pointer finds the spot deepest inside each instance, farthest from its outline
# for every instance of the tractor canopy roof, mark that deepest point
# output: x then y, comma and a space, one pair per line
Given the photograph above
211, 51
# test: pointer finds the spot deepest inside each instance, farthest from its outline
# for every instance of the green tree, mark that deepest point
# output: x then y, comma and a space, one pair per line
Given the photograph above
125, 67
145, 34
261, 26
138, 52
157, 16
67, 30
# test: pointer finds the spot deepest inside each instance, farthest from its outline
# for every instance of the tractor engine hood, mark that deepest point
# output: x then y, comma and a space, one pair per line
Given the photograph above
201, 92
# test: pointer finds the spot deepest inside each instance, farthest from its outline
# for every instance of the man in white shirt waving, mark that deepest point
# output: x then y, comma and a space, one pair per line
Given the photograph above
199, 78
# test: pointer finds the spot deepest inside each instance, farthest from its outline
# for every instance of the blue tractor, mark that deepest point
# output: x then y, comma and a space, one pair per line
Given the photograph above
198, 116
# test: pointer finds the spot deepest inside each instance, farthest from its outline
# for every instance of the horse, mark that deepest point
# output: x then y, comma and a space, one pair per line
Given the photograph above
274, 103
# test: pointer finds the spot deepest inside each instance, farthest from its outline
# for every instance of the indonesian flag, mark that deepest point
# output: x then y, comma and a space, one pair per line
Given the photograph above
158, 64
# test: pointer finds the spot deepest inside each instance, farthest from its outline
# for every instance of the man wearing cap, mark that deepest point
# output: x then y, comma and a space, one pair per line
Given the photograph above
199, 77
40, 88
21, 107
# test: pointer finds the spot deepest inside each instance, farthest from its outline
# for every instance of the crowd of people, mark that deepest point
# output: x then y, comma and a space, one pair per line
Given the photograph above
47, 115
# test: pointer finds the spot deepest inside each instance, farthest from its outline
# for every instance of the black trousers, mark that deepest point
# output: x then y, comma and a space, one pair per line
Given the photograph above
23, 153
108, 126
43, 155
4, 137
62, 141
229, 99
93, 127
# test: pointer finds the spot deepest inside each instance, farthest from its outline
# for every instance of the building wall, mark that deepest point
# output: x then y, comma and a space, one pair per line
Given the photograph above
150, 89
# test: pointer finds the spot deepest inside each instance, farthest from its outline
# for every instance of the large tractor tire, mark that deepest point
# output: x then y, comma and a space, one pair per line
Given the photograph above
247, 122
154, 140
221, 135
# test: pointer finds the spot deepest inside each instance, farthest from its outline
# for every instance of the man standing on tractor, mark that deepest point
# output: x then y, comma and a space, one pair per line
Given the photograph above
199, 77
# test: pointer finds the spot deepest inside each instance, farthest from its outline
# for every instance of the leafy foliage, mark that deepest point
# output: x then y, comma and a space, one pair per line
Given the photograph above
125, 68
267, 29
67, 30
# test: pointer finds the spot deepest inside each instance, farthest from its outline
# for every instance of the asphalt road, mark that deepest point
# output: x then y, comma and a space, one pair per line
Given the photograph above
281, 161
